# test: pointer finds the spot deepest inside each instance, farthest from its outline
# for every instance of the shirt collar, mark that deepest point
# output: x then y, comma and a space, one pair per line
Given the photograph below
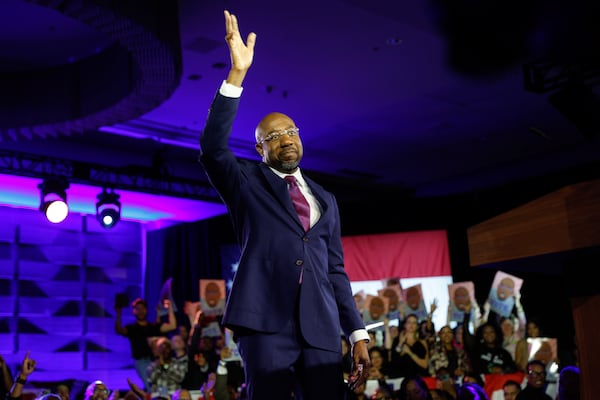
297, 175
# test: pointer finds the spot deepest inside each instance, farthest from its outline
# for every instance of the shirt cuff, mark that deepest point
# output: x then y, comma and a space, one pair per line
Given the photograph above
359, 334
229, 90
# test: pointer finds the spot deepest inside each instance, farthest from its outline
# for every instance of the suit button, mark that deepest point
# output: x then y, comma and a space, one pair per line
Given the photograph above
299, 262
305, 239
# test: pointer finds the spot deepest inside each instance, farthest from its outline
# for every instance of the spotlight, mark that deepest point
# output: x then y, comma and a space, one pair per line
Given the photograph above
108, 209
53, 199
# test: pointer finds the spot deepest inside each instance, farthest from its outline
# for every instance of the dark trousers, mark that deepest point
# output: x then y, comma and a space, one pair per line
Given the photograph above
279, 364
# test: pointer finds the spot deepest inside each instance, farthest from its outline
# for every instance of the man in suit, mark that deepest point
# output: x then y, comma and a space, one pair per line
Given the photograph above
291, 297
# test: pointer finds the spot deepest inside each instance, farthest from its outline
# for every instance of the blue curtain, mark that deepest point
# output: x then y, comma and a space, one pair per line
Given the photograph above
186, 253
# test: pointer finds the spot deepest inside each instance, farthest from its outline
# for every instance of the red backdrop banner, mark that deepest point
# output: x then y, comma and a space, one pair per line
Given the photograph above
403, 255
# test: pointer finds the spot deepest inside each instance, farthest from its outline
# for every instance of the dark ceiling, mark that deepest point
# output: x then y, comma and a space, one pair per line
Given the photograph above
421, 97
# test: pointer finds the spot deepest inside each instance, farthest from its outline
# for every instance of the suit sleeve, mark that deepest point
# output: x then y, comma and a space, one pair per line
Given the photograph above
216, 157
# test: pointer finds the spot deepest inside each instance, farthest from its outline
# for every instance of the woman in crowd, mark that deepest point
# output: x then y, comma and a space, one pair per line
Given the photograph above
410, 354
445, 353
485, 349
379, 369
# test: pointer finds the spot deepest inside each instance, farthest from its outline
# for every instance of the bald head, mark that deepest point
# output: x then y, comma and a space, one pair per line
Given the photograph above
265, 126
284, 151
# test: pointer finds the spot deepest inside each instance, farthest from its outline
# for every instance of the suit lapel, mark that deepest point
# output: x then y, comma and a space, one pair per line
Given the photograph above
321, 196
280, 191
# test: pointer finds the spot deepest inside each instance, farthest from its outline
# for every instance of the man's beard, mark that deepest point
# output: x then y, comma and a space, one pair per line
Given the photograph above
289, 166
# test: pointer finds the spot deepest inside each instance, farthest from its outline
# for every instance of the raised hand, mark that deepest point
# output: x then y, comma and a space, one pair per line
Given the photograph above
28, 365
136, 389
434, 306
241, 53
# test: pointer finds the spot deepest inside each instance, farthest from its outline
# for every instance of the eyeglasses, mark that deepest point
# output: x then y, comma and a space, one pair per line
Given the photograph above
276, 135
101, 390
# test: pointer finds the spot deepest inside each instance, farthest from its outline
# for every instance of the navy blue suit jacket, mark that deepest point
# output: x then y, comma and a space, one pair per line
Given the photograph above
275, 247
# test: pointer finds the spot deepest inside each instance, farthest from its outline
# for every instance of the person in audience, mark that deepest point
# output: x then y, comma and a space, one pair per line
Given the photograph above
458, 336
97, 390
166, 373
510, 389
514, 342
219, 343
485, 349
179, 349
533, 328
513, 330
410, 354
473, 377
463, 298
63, 390
445, 353
193, 312
390, 334
471, 391
26, 369
6, 378
153, 343
445, 381
229, 377
545, 354
198, 371
569, 383
413, 387
135, 390
202, 359
379, 368
427, 327
184, 332
140, 331
535, 388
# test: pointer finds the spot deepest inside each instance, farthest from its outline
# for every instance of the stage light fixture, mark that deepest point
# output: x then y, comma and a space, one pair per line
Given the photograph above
53, 199
108, 208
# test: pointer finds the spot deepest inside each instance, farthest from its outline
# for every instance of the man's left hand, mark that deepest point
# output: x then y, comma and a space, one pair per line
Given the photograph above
361, 363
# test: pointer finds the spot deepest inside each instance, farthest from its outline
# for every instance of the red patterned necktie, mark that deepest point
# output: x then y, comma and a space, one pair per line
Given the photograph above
300, 203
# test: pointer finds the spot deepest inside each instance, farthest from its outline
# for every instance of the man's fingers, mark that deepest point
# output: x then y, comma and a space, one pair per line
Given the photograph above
234, 23
251, 40
227, 20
